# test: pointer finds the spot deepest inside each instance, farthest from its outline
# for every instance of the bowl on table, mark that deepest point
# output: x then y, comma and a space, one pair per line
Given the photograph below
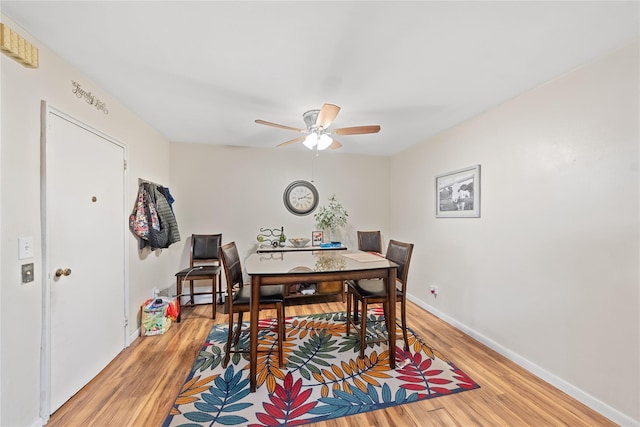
299, 242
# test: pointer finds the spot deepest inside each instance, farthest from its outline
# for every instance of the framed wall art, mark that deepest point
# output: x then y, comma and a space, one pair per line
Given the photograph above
316, 238
458, 193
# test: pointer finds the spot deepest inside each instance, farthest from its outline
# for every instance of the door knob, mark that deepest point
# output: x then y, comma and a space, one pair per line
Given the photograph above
63, 272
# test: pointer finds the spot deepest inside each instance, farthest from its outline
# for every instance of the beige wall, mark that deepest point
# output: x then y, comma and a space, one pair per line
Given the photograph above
236, 191
21, 304
549, 274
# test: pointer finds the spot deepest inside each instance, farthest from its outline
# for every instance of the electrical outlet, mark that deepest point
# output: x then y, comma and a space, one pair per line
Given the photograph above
434, 290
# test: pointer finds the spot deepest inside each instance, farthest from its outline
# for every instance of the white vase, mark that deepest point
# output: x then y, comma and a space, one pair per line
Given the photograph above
327, 235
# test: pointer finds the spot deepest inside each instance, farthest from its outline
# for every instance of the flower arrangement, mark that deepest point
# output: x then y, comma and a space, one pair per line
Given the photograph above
331, 217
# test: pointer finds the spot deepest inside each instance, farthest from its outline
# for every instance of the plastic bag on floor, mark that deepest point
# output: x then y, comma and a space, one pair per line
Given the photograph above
157, 315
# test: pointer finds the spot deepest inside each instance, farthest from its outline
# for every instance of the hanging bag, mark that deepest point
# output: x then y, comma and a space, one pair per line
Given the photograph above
138, 220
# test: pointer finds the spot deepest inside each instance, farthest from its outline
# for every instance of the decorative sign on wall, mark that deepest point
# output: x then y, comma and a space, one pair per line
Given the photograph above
88, 96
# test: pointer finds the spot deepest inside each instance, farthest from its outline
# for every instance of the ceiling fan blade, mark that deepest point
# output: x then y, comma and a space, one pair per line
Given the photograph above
276, 125
292, 141
335, 144
357, 130
327, 115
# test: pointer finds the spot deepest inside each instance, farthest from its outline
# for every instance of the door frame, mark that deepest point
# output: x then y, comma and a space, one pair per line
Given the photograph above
45, 349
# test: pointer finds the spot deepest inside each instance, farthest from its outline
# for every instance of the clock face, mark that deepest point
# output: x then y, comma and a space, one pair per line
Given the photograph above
301, 197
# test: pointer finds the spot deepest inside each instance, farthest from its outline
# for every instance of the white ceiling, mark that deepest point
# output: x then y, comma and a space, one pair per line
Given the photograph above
203, 71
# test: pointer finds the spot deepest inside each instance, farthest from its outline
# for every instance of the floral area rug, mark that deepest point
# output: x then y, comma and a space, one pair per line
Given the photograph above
322, 377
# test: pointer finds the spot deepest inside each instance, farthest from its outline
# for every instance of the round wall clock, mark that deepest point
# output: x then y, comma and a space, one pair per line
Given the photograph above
300, 197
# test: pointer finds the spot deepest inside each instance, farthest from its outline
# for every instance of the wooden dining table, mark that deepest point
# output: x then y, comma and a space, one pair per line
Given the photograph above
312, 267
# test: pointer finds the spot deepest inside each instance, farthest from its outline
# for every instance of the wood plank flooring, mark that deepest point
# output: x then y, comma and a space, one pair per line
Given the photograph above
138, 388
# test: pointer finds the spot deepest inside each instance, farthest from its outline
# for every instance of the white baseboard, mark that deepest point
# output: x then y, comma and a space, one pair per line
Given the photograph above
573, 391
134, 336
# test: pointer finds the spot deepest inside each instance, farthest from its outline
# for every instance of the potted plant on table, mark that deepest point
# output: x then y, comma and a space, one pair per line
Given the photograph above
331, 218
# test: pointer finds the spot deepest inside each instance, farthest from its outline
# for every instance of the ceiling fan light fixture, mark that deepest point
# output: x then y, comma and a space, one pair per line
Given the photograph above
318, 136
310, 141
321, 142
324, 141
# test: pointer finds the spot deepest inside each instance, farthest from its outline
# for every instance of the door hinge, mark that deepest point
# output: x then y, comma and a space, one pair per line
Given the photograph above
126, 322
125, 165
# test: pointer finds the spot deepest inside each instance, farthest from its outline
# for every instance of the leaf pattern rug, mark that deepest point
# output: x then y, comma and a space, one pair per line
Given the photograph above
322, 377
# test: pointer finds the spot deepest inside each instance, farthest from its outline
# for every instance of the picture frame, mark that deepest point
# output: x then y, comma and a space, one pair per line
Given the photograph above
316, 238
458, 193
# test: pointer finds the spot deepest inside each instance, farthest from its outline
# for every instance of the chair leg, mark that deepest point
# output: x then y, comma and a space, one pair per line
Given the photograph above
213, 295
385, 312
350, 296
283, 323
236, 339
363, 328
388, 321
230, 335
191, 297
179, 298
220, 296
403, 310
281, 333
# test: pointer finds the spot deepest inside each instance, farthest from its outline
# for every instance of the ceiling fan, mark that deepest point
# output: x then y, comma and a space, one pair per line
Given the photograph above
318, 135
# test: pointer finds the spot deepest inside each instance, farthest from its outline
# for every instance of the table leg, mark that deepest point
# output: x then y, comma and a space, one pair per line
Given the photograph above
391, 294
253, 332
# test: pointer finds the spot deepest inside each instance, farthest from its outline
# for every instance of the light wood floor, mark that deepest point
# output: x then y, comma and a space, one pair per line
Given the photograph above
140, 385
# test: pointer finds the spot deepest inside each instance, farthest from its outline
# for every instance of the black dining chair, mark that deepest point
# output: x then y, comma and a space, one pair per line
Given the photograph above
204, 264
370, 241
373, 291
239, 298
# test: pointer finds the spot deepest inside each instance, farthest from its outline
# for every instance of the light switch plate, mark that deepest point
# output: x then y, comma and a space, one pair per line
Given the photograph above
25, 247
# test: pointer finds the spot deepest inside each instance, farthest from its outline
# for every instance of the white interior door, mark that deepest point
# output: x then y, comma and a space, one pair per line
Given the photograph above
85, 225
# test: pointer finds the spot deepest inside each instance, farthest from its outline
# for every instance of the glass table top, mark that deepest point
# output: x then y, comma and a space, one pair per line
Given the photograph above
313, 261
